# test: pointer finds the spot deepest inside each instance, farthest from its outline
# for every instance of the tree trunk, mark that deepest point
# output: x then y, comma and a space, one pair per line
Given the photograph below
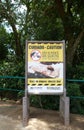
67, 20
72, 46
9, 17
18, 50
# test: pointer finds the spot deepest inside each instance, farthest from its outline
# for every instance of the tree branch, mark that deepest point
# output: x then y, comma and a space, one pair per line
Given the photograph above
9, 17
65, 19
78, 39
60, 9
72, 46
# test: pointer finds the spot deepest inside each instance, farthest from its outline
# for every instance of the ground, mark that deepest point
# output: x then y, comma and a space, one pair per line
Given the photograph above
40, 119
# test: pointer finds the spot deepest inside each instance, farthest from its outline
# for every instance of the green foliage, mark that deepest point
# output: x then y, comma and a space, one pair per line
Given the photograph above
4, 40
46, 23
73, 89
76, 71
76, 105
45, 101
3, 52
12, 68
80, 71
20, 94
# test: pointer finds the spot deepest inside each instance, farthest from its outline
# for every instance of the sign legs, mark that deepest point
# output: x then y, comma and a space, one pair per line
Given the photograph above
64, 109
25, 111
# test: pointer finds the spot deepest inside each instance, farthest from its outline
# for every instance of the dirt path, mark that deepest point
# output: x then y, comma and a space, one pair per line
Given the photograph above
11, 119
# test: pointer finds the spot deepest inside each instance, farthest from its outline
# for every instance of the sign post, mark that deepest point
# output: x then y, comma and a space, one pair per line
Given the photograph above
45, 72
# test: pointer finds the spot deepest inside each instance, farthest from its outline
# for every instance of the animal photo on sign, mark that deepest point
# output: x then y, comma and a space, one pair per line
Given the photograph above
40, 69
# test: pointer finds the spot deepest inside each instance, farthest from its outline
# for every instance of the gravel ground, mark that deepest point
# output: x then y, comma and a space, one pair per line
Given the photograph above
11, 119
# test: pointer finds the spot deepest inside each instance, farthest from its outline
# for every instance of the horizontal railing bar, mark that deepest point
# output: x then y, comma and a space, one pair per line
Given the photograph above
74, 80
9, 89
77, 97
20, 77
12, 77
73, 97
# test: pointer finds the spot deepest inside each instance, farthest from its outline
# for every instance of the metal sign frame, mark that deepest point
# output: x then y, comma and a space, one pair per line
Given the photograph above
45, 42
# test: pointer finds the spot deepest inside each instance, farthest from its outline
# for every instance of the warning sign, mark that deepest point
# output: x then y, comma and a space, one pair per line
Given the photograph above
45, 67
45, 52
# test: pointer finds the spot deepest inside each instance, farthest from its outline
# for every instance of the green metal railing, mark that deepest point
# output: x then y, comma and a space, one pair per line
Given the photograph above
12, 77
79, 81
9, 89
20, 77
74, 80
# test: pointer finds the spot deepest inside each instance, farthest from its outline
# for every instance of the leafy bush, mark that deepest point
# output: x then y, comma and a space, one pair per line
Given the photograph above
76, 105
11, 69
45, 101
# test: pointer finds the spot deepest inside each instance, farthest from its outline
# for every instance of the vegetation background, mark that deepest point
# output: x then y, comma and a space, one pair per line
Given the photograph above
22, 20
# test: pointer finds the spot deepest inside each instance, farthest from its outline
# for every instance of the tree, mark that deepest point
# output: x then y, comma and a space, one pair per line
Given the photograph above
59, 19
45, 23
7, 13
71, 14
56, 20
45, 20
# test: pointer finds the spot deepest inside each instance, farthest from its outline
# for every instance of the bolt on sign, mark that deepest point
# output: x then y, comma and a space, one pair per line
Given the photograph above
45, 69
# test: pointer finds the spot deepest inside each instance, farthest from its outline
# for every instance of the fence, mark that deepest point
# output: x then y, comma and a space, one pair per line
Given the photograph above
11, 77
18, 91
11, 87
77, 81
19, 77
